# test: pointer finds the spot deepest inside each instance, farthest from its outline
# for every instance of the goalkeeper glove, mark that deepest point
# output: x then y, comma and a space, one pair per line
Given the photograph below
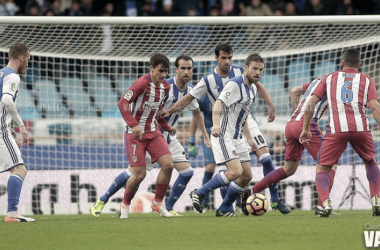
192, 151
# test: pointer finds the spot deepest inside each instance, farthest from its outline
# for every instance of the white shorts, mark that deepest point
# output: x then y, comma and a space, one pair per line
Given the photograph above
177, 151
10, 154
256, 134
227, 149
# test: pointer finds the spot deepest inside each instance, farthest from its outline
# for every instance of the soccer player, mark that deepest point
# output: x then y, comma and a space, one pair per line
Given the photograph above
139, 107
179, 86
347, 91
212, 84
229, 116
294, 148
10, 154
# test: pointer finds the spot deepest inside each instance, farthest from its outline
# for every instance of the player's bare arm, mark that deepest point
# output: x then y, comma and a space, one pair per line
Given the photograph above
295, 96
264, 94
375, 109
182, 103
309, 111
216, 110
199, 121
250, 141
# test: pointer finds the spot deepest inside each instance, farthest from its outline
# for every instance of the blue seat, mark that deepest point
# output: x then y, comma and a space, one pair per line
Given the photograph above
25, 106
298, 73
325, 67
123, 83
281, 100
77, 98
99, 82
49, 99
272, 81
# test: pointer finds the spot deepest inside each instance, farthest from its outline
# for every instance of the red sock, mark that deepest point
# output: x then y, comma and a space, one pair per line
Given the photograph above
331, 178
373, 176
160, 192
322, 183
128, 196
273, 177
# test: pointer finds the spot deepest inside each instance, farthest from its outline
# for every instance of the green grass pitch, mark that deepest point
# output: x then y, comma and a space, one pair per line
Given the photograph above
298, 230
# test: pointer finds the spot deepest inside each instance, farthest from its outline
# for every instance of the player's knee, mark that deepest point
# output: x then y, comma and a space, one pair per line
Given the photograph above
236, 173
20, 170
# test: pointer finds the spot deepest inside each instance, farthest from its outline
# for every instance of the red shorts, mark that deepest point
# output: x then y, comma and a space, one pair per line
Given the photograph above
294, 148
153, 142
334, 144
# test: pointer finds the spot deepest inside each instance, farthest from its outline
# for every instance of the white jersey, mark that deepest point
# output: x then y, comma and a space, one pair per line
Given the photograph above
238, 99
9, 84
172, 97
213, 83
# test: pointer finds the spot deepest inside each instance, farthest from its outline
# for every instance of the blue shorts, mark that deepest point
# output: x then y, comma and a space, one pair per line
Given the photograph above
207, 154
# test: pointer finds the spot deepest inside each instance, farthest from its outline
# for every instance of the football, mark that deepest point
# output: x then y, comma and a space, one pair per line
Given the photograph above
257, 204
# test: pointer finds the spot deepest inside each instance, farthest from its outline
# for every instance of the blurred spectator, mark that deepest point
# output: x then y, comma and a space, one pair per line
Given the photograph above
290, 9
300, 5
257, 8
277, 150
42, 5
347, 8
278, 12
87, 8
55, 7
181, 8
159, 7
315, 7
74, 10
276, 5
231, 7
128, 8
214, 10
33, 9
48, 12
8, 8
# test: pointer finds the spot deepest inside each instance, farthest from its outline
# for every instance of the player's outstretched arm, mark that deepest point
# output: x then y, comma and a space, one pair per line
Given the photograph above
295, 96
182, 103
199, 120
264, 94
375, 109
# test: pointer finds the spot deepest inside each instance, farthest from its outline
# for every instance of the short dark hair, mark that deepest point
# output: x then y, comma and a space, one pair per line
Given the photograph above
223, 47
159, 58
185, 58
18, 49
254, 57
351, 57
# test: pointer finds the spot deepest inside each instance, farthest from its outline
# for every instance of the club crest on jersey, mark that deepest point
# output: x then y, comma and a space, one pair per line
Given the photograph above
134, 158
216, 87
227, 95
234, 152
13, 87
128, 95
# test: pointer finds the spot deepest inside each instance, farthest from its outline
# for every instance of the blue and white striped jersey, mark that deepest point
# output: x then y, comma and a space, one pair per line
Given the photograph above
213, 83
238, 99
172, 97
9, 84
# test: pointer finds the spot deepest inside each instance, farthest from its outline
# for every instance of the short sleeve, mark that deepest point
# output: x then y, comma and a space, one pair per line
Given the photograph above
199, 90
193, 105
372, 94
11, 84
320, 90
306, 85
230, 93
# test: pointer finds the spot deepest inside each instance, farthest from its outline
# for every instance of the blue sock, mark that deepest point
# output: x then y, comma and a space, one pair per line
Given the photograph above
233, 192
266, 161
206, 178
14, 189
219, 180
179, 186
118, 183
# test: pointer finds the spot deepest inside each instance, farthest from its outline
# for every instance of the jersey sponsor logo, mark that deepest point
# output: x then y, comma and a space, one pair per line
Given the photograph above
151, 105
216, 87
128, 95
13, 87
227, 95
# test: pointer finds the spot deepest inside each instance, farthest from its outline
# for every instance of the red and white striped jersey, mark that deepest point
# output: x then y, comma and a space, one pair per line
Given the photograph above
140, 104
320, 107
347, 92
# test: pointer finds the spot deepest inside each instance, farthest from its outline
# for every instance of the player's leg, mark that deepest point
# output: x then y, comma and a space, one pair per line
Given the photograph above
10, 159
159, 151
185, 172
224, 151
363, 144
136, 152
331, 143
209, 171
